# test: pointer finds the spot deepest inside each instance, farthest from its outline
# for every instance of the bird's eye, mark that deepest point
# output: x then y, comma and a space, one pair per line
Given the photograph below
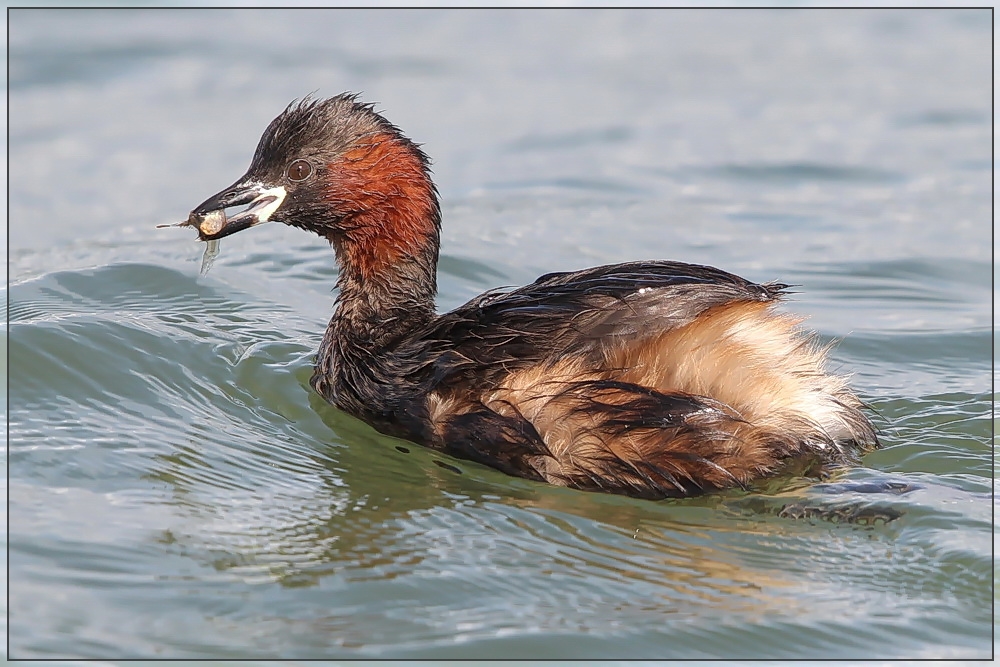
299, 170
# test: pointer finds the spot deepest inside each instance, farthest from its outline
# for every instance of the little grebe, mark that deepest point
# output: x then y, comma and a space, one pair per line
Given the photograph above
652, 379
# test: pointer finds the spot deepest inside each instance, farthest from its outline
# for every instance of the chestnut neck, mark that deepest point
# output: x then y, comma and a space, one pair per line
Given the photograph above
386, 244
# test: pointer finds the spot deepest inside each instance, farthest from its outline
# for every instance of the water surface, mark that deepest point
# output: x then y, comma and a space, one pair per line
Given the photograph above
176, 490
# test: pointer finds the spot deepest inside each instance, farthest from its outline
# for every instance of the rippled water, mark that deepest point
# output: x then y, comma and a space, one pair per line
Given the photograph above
177, 490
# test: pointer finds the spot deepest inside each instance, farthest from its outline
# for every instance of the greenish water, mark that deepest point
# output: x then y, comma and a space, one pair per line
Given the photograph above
176, 490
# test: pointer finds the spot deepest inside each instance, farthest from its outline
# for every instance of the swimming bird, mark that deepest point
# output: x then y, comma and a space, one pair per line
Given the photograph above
652, 379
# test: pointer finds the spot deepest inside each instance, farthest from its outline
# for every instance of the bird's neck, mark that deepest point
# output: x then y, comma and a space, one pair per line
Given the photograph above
387, 248
356, 367
375, 309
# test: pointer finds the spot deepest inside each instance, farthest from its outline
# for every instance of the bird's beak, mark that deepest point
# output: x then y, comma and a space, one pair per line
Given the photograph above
212, 222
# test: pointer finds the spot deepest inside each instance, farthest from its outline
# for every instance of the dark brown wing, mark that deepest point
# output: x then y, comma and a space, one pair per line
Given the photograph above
578, 313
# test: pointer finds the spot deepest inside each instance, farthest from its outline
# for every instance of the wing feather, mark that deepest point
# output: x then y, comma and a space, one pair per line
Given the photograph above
576, 313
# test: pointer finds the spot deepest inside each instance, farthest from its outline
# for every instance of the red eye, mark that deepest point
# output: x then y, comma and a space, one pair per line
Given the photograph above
299, 170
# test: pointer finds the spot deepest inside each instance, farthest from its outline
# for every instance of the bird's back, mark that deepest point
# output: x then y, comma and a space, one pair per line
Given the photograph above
648, 378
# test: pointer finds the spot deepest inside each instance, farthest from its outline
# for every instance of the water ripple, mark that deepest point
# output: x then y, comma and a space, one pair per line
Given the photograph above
180, 419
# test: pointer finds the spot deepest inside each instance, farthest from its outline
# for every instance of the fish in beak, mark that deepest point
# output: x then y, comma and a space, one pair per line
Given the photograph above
212, 221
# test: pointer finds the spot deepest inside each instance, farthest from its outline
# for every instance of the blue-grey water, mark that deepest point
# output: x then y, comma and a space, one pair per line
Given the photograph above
176, 490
